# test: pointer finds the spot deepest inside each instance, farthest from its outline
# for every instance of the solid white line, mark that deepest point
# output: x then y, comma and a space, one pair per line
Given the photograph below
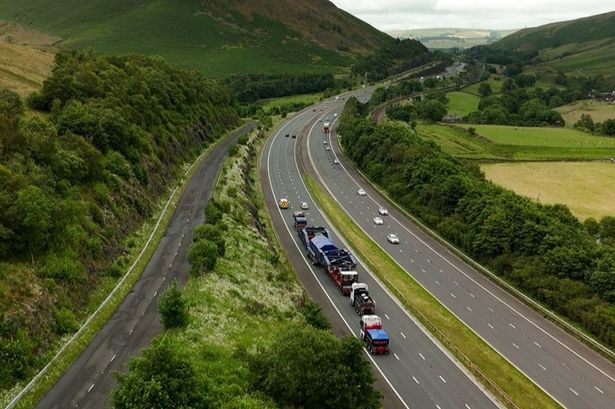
494, 295
318, 280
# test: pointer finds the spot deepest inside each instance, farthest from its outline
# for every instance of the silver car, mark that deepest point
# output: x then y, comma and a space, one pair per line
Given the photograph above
392, 238
378, 220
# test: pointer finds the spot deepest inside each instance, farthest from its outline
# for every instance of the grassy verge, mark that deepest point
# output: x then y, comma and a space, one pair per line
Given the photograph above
499, 376
139, 257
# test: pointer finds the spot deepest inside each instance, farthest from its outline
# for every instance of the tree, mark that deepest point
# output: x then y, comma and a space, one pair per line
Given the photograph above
608, 127
162, 378
432, 110
485, 89
213, 214
212, 233
35, 210
173, 308
313, 315
586, 122
202, 257
603, 284
302, 364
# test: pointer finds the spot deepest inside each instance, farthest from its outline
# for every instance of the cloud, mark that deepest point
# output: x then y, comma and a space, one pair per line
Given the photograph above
491, 14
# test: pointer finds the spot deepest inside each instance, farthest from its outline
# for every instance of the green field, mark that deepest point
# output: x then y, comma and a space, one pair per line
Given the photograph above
494, 143
495, 82
218, 38
585, 187
599, 111
461, 103
308, 99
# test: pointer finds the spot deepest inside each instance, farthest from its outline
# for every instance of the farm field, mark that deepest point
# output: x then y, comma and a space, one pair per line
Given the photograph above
292, 99
585, 187
599, 111
461, 103
496, 86
509, 143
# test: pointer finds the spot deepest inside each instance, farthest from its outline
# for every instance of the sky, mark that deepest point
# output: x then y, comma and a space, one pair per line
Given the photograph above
389, 15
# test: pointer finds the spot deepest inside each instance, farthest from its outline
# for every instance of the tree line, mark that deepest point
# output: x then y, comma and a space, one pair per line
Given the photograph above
249, 88
541, 249
107, 137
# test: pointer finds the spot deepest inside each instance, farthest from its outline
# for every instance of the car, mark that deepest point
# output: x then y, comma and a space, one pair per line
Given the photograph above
392, 238
361, 192
378, 220
383, 211
324, 142
335, 115
283, 203
298, 213
336, 161
287, 135
328, 148
314, 110
304, 205
294, 136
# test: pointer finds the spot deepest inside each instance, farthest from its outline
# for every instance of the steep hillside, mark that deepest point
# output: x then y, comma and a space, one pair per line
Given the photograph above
584, 46
219, 37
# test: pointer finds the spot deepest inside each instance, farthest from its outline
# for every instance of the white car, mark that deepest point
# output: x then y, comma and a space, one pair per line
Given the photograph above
383, 211
335, 115
336, 161
378, 220
324, 142
304, 205
361, 192
392, 238
328, 148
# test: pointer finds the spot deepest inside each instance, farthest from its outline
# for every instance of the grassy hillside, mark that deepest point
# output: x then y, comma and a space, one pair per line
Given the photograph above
599, 111
584, 46
215, 36
452, 37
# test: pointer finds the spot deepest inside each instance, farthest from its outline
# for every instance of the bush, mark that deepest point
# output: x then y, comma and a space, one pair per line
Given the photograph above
212, 233
313, 315
173, 308
66, 322
213, 213
202, 257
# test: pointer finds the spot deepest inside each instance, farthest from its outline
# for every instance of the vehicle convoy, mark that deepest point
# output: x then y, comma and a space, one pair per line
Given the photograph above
361, 301
376, 339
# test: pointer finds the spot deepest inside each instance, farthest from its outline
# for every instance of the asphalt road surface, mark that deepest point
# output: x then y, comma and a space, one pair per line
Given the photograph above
573, 374
418, 373
89, 380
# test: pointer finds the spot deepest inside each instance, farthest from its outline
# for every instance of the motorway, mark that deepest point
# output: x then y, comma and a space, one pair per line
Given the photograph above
573, 374
418, 373
89, 380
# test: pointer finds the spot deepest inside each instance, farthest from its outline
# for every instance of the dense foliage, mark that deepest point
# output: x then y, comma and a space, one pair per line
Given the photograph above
252, 87
390, 59
173, 308
543, 250
77, 177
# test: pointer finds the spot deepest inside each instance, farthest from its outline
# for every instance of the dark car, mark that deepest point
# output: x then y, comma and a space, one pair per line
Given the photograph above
287, 135
294, 136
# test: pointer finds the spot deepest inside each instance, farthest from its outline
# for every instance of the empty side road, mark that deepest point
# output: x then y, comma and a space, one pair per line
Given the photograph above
89, 380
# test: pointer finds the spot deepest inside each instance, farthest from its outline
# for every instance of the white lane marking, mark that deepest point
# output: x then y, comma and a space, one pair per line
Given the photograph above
422, 357
468, 406
442, 379
387, 316
512, 325
441, 270
403, 335
437, 282
396, 356
453, 295
164, 278
112, 358
412, 260
515, 345
472, 295
401, 251
155, 292
309, 265
428, 260
438, 406
537, 344
573, 391
542, 367
415, 380
90, 388
490, 309
468, 308
598, 389
490, 326
423, 270
537, 326
456, 282
131, 331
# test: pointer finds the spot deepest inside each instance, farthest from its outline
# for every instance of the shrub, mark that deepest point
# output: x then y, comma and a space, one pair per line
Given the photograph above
173, 308
202, 257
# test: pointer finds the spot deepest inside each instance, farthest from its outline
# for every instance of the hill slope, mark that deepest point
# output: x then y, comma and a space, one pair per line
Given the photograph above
434, 38
584, 46
219, 37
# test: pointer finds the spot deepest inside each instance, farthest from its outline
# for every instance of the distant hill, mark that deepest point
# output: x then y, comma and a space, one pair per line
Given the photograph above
218, 37
585, 46
452, 37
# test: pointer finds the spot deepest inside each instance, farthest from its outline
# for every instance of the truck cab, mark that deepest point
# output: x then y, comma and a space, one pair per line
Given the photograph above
369, 322
300, 221
360, 299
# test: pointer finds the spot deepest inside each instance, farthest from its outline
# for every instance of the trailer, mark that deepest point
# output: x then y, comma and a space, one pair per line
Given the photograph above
319, 248
377, 342
343, 279
361, 301
309, 232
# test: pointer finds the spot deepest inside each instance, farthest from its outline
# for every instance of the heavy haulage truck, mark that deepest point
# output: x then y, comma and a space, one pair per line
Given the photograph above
361, 301
376, 339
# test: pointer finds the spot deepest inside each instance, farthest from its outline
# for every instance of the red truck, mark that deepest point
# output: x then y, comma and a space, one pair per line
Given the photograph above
326, 127
376, 339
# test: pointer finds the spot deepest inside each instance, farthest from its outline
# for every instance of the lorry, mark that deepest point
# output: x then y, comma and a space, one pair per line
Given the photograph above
376, 339
309, 232
300, 221
326, 127
361, 301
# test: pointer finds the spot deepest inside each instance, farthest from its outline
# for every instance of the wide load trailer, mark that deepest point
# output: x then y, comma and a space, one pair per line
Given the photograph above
309, 232
340, 266
361, 301
376, 339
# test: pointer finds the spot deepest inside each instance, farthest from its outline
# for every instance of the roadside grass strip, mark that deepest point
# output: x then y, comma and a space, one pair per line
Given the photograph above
497, 374
147, 239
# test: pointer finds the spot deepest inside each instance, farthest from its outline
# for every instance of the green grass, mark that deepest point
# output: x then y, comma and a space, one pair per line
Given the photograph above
218, 39
498, 376
66, 358
462, 103
495, 82
585, 187
307, 99
508, 143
